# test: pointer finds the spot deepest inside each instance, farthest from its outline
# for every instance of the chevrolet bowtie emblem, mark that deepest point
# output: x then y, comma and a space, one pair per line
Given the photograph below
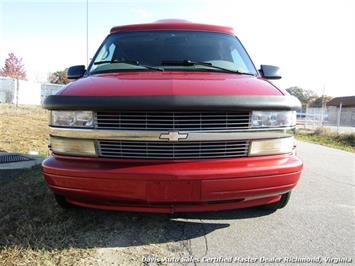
173, 136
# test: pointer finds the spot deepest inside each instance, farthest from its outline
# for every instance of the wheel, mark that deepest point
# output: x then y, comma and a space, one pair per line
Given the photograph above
278, 205
62, 202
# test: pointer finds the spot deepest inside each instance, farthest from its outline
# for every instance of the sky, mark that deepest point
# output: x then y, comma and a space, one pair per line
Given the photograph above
313, 42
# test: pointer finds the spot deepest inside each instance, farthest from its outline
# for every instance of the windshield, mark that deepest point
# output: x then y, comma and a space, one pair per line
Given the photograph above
148, 50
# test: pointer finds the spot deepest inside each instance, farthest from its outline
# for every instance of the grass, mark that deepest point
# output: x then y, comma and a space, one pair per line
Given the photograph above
326, 137
35, 231
32, 230
23, 129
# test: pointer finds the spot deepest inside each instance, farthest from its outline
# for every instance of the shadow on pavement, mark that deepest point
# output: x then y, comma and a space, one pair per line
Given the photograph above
30, 217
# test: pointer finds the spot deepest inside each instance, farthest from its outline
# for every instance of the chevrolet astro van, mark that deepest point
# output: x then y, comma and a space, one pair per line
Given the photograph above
172, 116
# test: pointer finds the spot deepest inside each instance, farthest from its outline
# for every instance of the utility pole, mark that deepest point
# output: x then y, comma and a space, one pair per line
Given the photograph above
339, 116
17, 90
87, 33
323, 107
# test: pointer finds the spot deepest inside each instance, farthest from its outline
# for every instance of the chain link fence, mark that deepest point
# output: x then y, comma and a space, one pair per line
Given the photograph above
335, 118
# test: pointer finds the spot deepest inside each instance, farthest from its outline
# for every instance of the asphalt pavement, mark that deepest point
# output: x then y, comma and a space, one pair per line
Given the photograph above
317, 226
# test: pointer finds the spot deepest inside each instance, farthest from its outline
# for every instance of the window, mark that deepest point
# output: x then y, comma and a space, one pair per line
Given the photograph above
153, 47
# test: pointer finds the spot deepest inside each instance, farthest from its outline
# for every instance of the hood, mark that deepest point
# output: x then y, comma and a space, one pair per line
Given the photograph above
169, 83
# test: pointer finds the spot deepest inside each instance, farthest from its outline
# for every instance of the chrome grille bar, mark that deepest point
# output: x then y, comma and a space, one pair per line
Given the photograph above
154, 150
173, 120
154, 135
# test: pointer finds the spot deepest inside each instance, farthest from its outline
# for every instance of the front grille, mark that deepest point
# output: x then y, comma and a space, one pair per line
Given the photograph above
176, 150
173, 120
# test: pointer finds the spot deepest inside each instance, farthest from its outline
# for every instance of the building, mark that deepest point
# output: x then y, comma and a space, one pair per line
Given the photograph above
341, 111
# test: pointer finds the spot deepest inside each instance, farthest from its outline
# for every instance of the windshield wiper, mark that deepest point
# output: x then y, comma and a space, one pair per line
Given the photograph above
197, 63
129, 62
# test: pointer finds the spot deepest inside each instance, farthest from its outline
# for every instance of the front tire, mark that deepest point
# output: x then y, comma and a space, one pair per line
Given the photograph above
62, 202
285, 198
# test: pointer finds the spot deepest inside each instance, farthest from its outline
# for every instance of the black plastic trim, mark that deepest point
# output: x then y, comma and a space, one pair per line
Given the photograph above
171, 103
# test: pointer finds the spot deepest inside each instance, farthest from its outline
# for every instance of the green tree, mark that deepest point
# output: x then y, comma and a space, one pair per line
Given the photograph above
305, 96
318, 102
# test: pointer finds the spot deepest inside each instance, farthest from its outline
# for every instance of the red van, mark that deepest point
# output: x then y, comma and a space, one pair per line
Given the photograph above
169, 117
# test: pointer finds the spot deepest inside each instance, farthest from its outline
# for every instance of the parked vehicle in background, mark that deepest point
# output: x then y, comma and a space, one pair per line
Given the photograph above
172, 116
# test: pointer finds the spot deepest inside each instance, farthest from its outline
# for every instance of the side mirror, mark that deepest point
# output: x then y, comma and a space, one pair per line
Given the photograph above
270, 72
76, 72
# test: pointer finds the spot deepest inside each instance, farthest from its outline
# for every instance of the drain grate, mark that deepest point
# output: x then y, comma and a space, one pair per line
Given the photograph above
13, 158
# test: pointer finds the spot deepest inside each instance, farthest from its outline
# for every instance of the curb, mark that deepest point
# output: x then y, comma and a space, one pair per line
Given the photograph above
11, 170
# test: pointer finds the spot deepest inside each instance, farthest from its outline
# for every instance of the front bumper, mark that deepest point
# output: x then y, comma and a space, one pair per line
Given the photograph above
172, 186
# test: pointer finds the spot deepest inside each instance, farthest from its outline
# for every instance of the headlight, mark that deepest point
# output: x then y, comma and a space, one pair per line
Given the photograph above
79, 147
271, 146
273, 119
72, 119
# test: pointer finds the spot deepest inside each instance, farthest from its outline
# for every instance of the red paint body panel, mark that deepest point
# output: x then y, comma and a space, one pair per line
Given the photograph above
173, 25
169, 83
171, 186
201, 207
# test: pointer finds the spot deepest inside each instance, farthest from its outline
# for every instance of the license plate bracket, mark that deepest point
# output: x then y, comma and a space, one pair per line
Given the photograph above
173, 191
